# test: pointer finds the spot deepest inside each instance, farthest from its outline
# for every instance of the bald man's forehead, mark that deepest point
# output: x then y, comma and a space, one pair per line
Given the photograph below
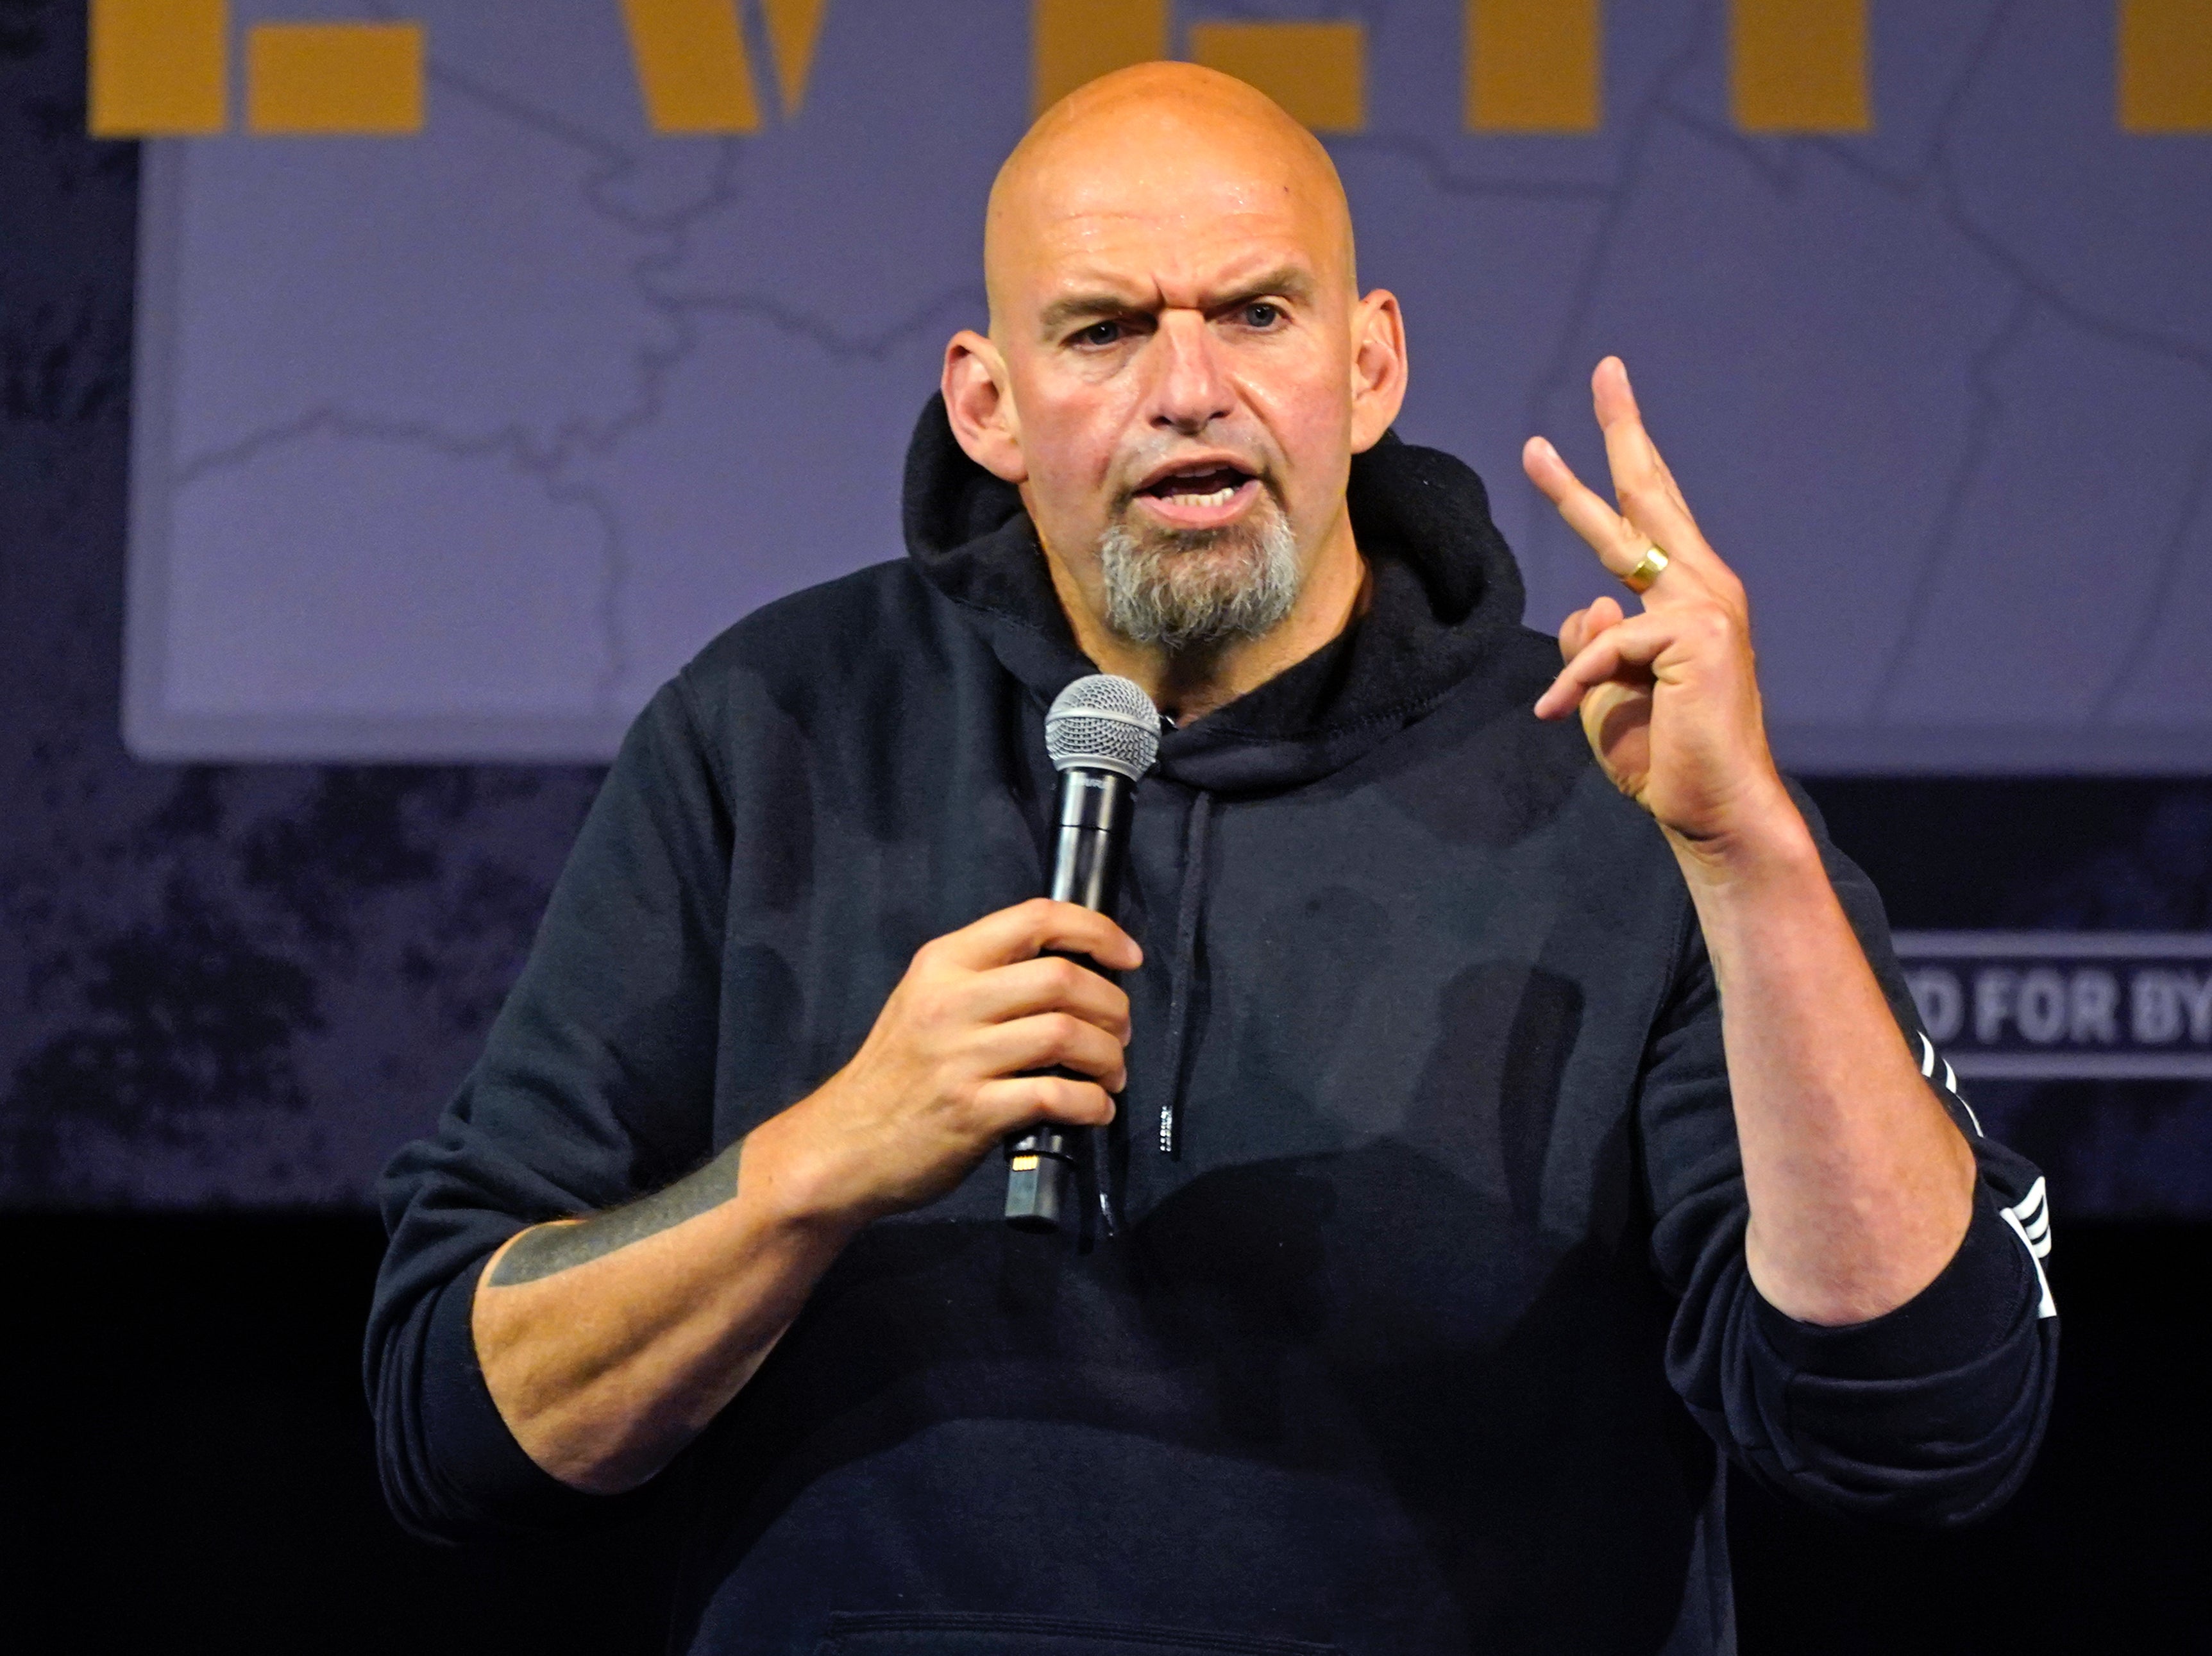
1172, 258
1109, 195
1171, 208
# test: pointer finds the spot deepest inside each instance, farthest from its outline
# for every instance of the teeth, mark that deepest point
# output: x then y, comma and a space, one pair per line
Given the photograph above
1218, 497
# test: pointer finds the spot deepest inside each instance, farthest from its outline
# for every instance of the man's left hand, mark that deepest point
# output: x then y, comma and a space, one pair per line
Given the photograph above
1670, 698
1859, 1185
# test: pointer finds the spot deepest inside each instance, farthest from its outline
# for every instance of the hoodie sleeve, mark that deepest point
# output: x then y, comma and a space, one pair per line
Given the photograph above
595, 1086
1928, 1415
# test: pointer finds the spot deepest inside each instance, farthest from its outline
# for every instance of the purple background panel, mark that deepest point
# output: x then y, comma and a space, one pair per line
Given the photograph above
457, 446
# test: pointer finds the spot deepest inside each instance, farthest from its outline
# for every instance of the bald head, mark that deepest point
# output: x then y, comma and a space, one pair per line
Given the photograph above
1164, 146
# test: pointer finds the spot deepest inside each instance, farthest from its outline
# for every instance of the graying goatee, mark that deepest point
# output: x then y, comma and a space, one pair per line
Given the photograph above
1196, 589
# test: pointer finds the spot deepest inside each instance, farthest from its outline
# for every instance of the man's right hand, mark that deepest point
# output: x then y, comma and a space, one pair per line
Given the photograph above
949, 1070
608, 1342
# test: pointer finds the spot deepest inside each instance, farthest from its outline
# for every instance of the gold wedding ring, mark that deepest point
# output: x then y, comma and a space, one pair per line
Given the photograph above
1648, 569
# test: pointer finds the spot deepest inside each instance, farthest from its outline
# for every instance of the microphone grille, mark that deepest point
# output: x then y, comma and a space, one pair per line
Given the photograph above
1105, 722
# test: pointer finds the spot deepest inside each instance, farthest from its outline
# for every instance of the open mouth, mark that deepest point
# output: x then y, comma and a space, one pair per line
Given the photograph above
1210, 483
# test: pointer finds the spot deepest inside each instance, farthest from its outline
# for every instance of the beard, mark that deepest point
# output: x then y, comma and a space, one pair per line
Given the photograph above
1193, 590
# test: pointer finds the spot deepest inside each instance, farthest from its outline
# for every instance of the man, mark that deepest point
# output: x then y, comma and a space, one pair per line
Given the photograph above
1508, 1114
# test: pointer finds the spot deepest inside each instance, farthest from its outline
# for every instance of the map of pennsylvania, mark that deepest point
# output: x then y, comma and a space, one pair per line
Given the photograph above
457, 445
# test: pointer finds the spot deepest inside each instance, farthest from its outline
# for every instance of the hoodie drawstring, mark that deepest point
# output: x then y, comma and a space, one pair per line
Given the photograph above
1183, 969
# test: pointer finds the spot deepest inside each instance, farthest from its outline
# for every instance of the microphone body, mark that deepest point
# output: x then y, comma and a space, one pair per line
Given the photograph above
1103, 733
1090, 844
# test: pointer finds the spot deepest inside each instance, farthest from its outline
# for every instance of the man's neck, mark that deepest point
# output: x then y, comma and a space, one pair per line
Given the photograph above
1186, 685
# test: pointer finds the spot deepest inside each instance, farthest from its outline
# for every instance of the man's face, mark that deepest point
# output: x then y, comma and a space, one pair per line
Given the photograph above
1176, 324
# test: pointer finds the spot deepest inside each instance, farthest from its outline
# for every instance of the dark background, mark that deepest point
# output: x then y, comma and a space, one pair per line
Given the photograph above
184, 953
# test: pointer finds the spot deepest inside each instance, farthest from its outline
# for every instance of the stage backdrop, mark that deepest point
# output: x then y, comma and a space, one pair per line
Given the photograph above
494, 357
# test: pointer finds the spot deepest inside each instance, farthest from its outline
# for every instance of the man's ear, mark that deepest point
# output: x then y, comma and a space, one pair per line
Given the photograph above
982, 408
1378, 367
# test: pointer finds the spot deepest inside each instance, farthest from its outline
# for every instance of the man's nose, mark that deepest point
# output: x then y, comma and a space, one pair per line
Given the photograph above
1192, 391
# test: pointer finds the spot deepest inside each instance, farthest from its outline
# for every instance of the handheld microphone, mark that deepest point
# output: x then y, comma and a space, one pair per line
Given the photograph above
1104, 733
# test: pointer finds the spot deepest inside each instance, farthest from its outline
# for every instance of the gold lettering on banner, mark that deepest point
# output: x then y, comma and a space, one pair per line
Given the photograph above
158, 68
1073, 41
793, 29
1534, 66
1316, 71
161, 68
2166, 66
1799, 66
692, 68
332, 78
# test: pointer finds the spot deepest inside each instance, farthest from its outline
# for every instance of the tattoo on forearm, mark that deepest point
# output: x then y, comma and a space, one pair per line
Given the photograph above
552, 1249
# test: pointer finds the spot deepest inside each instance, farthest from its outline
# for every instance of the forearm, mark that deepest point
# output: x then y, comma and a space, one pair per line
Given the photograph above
1860, 1186
608, 1343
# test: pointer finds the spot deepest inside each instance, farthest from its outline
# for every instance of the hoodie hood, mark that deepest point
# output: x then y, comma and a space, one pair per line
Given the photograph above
1445, 592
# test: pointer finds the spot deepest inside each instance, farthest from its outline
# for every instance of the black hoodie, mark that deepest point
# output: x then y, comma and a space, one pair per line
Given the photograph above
1423, 1336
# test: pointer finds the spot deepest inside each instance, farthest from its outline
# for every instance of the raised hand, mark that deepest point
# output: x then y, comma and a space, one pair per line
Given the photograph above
1670, 698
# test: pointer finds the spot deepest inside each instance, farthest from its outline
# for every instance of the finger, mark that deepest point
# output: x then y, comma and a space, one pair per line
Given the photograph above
1548, 470
1578, 629
1632, 645
1618, 544
1629, 450
1650, 501
1692, 571
1052, 1040
1570, 636
1030, 928
1020, 1101
1048, 983
1615, 398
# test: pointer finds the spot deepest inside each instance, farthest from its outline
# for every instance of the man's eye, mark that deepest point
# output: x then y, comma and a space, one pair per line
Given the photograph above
1262, 314
1099, 333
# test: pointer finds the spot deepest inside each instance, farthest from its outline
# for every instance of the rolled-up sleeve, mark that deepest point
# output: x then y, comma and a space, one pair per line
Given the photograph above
595, 1086
1928, 1415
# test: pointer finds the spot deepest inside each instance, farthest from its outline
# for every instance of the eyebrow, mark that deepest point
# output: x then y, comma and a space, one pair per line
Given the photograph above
1076, 306
1288, 280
